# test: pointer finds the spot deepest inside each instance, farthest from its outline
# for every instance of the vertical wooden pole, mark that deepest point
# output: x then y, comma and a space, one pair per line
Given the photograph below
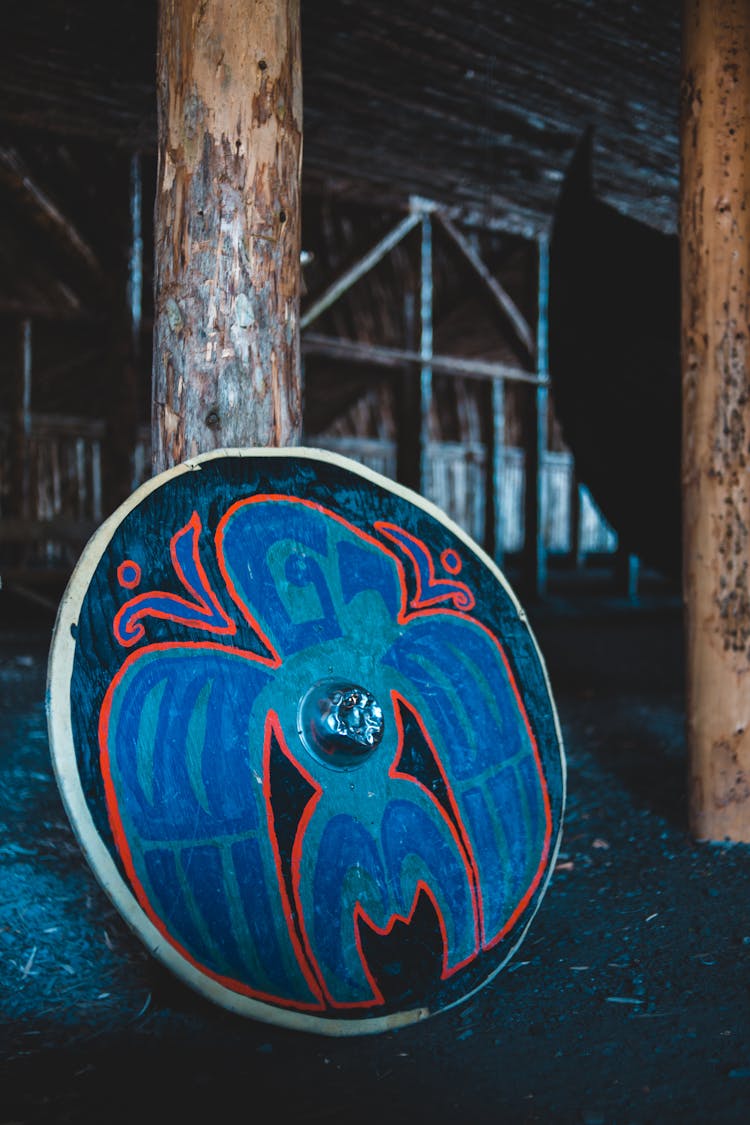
576, 553
494, 524
425, 351
407, 396
227, 227
542, 412
20, 437
126, 393
627, 568
135, 257
534, 578
715, 268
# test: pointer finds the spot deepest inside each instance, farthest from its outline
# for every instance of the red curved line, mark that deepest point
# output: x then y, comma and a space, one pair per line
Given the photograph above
128, 583
456, 590
420, 609
459, 834
297, 855
360, 914
123, 848
273, 497
359, 911
229, 629
524, 901
273, 726
453, 564
404, 616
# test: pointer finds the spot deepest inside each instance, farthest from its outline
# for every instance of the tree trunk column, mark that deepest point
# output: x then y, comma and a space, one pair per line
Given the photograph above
227, 227
715, 265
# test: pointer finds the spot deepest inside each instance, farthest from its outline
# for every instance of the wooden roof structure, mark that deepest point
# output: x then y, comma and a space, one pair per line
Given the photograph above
477, 106
477, 110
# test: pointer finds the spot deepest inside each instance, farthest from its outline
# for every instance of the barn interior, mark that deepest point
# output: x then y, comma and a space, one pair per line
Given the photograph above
529, 154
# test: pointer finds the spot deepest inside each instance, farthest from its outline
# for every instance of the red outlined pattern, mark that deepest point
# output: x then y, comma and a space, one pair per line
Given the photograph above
204, 612
123, 847
430, 588
211, 617
129, 574
457, 832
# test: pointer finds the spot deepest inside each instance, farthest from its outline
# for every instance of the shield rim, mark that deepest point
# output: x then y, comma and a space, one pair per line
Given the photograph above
65, 759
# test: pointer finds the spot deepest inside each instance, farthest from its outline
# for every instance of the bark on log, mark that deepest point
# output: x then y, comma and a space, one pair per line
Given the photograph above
715, 265
227, 227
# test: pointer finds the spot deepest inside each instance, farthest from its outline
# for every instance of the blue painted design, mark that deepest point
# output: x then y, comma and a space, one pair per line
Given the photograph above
204, 612
186, 739
205, 877
429, 589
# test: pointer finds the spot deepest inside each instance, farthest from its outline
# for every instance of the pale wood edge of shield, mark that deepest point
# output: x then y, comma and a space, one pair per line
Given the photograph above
62, 748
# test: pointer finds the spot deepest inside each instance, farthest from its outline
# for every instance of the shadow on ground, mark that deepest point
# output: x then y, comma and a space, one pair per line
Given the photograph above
627, 1003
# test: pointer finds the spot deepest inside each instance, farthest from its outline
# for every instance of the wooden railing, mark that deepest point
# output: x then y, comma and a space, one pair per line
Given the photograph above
456, 476
64, 500
65, 494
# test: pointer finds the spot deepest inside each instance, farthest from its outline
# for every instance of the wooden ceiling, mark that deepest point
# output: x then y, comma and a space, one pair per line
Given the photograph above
477, 105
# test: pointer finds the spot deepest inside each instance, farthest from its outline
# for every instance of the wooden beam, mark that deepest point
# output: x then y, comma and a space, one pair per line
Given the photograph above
46, 212
502, 299
715, 270
359, 269
359, 352
227, 228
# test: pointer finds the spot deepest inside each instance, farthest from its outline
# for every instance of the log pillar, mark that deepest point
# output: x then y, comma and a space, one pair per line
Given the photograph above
715, 268
227, 228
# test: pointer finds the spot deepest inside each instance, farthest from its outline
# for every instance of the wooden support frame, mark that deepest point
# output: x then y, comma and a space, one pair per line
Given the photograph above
46, 211
360, 268
501, 297
336, 348
402, 360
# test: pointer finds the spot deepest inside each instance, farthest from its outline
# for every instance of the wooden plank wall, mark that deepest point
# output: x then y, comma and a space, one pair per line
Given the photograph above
66, 490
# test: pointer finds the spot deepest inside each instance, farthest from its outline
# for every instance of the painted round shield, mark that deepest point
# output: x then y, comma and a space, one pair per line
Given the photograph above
306, 740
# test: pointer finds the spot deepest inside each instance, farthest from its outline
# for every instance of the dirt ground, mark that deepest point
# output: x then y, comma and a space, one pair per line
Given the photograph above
628, 1003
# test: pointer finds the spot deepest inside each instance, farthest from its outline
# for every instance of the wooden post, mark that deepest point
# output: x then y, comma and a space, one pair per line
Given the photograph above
426, 294
534, 562
227, 228
715, 268
20, 438
494, 527
407, 393
125, 403
135, 256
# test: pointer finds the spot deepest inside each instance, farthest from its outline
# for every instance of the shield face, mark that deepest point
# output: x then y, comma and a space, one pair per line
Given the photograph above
306, 740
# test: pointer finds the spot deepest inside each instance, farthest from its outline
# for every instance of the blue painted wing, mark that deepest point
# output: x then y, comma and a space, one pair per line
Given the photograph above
185, 749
